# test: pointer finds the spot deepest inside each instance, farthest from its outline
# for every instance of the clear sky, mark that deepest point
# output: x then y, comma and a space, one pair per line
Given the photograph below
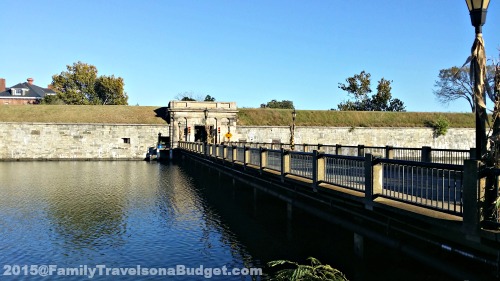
248, 51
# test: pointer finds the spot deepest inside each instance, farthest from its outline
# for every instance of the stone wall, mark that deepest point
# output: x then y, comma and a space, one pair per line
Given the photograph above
39, 141
455, 138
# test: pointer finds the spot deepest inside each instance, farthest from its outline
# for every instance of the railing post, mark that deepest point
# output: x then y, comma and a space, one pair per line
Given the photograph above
338, 149
224, 152
426, 154
285, 163
361, 150
473, 192
246, 156
389, 152
473, 153
263, 158
373, 180
235, 153
318, 168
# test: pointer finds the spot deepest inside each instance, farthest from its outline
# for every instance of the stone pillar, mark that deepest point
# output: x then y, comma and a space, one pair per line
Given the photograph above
263, 158
318, 168
473, 191
426, 154
373, 180
361, 150
285, 163
389, 152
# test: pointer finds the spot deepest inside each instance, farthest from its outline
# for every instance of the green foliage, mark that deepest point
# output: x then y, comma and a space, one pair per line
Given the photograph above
358, 86
209, 98
80, 85
440, 126
110, 90
52, 100
454, 83
284, 104
315, 271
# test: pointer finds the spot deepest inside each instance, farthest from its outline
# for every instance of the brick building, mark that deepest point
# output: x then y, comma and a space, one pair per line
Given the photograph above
23, 93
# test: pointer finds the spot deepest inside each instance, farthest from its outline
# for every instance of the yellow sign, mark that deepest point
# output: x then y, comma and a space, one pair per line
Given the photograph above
228, 135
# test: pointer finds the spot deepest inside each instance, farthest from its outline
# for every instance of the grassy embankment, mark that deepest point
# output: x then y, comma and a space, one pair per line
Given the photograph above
247, 116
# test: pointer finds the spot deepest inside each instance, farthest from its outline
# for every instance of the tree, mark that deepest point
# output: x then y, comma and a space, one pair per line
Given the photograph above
110, 90
284, 104
359, 88
80, 85
454, 83
209, 98
52, 100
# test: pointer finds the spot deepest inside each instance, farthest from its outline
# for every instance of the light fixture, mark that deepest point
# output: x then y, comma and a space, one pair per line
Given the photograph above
477, 11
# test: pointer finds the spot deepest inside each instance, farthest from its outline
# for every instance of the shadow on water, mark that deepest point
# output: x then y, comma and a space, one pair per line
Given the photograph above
261, 223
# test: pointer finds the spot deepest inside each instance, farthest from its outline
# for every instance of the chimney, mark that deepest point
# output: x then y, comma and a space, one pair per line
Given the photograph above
30, 81
2, 84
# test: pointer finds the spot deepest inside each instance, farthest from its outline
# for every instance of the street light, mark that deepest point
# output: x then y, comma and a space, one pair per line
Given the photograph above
477, 11
292, 130
172, 115
207, 129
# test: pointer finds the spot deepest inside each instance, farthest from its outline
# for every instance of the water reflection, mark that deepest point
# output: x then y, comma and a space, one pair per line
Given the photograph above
113, 213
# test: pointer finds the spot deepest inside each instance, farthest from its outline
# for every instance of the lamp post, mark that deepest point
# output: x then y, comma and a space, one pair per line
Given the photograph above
207, 129
186, 131
477, 11
292, 130
172, 115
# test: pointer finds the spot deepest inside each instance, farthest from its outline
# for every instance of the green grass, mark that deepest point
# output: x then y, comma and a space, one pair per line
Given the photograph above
119, 114
283, 117
101, 114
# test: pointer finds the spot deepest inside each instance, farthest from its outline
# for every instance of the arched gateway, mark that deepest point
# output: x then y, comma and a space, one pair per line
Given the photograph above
210, 122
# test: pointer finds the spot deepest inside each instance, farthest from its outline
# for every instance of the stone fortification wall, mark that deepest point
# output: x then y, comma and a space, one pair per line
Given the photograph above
38, 141
455, 138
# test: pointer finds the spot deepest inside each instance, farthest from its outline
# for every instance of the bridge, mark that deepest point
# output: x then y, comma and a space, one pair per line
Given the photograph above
426, 202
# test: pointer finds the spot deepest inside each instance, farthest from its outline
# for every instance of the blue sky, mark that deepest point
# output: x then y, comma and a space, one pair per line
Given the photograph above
248, 51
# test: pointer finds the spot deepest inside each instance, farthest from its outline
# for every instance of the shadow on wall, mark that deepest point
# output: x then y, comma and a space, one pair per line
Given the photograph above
162, 113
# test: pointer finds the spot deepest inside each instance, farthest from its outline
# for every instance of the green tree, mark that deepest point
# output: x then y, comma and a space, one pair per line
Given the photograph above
454, 83
209, 98
186, 96
80, 85
52, 100
110, 90
359, 87
284, 104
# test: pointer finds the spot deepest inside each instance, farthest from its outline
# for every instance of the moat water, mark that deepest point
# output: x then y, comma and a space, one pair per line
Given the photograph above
150, 215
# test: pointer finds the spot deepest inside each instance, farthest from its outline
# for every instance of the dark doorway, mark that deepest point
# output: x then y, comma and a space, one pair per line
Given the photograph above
200, 134
163, 142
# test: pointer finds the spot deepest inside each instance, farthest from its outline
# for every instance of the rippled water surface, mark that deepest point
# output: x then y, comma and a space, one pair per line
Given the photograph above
113, 213
124, 214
